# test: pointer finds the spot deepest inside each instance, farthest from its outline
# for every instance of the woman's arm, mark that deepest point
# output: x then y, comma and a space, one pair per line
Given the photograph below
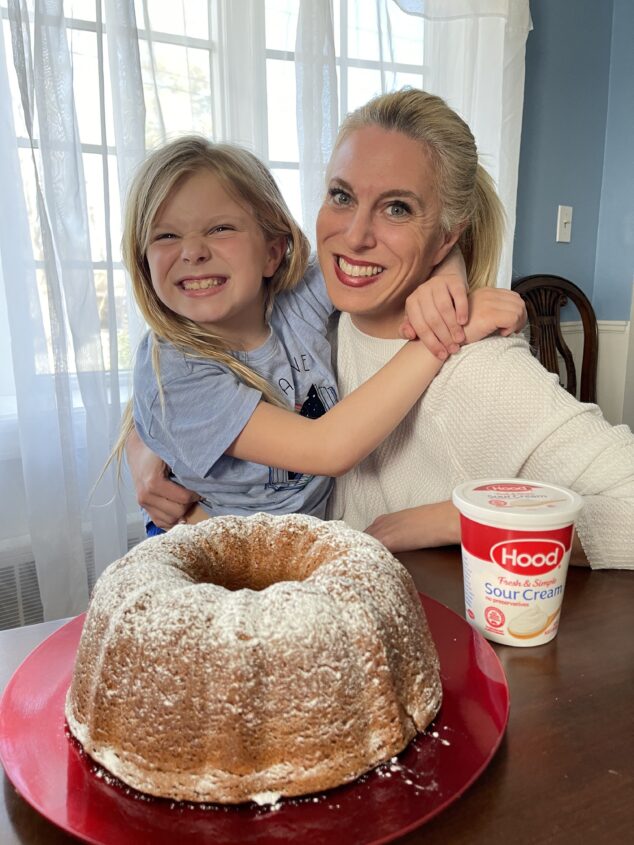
335, 442
165, 501
428, 526
535, 430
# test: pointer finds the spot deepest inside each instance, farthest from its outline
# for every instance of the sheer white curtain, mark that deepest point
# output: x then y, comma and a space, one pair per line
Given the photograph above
85, 89
473, 57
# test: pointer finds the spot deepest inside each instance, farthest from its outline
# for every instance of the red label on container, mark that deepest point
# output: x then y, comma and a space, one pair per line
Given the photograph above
506, 488
520, 552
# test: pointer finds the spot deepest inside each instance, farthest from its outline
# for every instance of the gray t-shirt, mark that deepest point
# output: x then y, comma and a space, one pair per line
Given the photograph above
206, 406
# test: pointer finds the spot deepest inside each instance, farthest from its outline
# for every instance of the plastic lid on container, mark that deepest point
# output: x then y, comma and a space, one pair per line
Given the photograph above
517, 503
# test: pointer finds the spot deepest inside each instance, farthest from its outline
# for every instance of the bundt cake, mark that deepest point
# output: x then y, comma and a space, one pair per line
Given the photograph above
250, 655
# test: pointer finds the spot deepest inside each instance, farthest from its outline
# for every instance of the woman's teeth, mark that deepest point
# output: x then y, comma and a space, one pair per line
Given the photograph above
359, 269
202, 284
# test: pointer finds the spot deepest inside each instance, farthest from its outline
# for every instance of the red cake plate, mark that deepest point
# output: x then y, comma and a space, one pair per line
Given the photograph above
53, 776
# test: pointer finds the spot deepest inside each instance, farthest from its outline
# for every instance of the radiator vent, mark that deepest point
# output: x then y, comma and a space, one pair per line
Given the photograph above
19, 596
20, 602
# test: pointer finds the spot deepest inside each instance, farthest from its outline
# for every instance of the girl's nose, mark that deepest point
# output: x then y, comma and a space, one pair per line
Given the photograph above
360, 232
195, 249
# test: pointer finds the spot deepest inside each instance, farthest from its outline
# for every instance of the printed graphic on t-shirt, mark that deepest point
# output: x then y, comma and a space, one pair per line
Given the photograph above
318, 401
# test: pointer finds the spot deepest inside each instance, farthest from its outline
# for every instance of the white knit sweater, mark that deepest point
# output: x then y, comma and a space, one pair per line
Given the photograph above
492, 411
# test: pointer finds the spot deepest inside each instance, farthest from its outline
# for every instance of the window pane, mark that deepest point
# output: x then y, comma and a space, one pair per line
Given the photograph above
187, 17
336, 21
183, 80
83, 10
109, 112
30, 198
123, 327
44, 357
362, 85
18, 114
407, 33
415, 80
280, 87
93, 174
116, 225
83, 47
104, 302
288, 182
281, 24
363, 41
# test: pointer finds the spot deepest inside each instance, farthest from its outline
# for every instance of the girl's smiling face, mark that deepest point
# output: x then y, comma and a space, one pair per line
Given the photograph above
378, 230
208, 256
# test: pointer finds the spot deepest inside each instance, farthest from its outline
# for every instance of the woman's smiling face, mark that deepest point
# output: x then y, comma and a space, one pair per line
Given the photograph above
378, 230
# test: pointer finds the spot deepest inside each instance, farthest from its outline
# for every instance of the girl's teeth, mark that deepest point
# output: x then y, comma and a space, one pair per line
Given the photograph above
359, 269
203, 284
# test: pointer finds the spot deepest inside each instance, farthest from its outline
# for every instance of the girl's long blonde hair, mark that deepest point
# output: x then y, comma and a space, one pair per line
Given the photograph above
467, 193
250, 183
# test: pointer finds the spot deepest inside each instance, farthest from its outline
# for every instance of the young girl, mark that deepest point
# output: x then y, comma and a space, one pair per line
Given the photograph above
233, 384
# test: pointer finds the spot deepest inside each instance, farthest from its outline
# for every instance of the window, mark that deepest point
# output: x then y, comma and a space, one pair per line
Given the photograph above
185, 56
179, 61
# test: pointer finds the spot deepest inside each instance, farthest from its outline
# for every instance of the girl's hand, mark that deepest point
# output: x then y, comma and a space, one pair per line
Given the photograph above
165, 501
494, 309
438, 309
422, 527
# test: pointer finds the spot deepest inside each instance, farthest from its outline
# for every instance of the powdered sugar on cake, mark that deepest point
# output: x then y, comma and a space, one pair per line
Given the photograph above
231, 659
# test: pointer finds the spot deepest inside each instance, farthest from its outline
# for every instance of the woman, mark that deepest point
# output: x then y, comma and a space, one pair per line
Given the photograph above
403, 184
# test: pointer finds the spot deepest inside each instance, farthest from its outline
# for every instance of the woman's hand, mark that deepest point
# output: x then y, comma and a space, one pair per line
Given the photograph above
165, 501
494, 309
422, 527
438, 309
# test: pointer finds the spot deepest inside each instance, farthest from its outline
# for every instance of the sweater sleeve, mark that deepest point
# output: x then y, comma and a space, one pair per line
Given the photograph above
596, 460
503, 413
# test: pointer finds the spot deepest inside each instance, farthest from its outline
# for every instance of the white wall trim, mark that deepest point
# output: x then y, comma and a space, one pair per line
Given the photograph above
614, 348
628, 385
615, 326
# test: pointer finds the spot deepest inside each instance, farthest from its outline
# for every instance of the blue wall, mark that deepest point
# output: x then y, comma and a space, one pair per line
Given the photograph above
578, 149
614, 270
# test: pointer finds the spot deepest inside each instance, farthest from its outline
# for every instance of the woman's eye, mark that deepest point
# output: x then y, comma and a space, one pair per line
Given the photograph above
398, 209
339, 197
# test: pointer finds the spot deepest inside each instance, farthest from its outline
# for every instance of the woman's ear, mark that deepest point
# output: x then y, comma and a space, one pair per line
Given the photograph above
276, 250
448, 243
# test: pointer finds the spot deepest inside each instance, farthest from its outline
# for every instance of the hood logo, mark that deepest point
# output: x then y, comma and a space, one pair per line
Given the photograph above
531, 557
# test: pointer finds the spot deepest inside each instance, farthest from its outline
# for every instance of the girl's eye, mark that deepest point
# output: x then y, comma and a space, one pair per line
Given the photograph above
164, 236
398, 209
339, 197
219, 230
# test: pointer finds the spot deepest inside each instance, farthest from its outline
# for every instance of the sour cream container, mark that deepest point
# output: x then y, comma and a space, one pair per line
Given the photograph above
516, 538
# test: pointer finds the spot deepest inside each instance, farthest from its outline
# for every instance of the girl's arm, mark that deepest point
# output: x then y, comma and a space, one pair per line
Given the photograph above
335, 442
165, 501
438, 309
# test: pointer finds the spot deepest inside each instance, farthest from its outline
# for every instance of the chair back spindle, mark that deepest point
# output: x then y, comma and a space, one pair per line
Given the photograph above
545, 296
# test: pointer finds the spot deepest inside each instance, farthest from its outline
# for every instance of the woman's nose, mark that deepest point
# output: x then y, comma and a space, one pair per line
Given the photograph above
360, 232
195, 249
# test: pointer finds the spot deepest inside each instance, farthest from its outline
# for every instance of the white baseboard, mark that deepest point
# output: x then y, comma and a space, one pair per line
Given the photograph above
614, 337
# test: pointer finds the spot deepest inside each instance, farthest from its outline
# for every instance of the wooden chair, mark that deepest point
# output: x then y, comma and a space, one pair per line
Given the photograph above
544, 297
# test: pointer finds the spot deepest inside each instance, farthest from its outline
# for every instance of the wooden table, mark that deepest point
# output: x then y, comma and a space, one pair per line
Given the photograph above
565, 770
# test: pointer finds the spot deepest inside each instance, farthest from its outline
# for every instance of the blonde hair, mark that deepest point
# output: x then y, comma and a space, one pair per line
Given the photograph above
250, 183
467, 193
